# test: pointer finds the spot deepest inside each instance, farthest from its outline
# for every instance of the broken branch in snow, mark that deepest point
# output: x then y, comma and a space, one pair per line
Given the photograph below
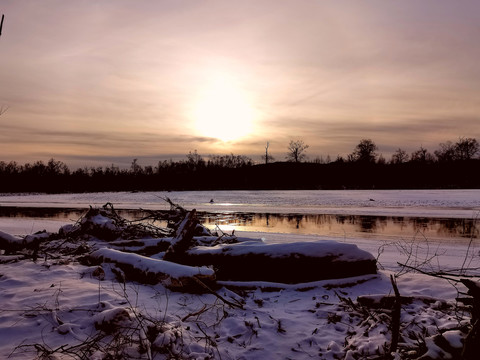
202, 284
183, 237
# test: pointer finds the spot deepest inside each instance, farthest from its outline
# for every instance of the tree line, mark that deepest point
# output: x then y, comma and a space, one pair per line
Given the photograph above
452, 165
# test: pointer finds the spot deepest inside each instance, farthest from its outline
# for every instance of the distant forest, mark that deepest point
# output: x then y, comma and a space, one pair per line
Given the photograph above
453, 165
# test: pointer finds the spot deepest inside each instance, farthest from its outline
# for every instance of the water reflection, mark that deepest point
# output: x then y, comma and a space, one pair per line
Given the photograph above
322, 224
326, 224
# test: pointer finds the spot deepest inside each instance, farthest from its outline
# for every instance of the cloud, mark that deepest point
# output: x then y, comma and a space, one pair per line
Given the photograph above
119, 77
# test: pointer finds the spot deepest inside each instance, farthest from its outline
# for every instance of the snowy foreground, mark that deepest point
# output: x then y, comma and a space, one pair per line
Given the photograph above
54, 306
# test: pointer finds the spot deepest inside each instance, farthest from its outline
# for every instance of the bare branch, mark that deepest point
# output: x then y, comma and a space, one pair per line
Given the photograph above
1, 24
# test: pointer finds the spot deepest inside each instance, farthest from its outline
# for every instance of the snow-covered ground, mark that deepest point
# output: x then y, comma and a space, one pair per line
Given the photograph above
57, 306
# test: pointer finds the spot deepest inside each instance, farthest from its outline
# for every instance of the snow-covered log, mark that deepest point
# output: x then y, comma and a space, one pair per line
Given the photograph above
286, 263
11, 243
152, 271
145, 246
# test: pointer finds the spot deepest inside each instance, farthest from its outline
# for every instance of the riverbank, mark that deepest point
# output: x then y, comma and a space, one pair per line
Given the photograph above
56, 306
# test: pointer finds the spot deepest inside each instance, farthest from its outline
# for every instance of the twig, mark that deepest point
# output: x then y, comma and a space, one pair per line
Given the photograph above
395, 317
196, 313
1, 26
202, 284
439, 275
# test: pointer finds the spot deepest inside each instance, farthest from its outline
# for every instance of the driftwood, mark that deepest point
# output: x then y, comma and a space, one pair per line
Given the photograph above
284, 263
152, 271
146, 247
12, 244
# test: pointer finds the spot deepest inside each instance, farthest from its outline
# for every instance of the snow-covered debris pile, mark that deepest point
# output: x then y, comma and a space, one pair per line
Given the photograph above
106, 224
106, 236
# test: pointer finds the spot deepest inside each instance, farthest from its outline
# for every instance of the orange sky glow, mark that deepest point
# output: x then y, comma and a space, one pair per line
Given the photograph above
102, 82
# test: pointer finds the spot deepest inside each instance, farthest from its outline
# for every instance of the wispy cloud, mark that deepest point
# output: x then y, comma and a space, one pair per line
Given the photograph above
118, 77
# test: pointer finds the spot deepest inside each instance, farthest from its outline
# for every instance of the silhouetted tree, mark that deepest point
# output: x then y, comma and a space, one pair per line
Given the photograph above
296, 151
55, 167
112, 170
399, 157
230, 161
466, 148
453, 169
195, 161
339, 159
267, 157
135, 168
365, 151
447, 152
421, 156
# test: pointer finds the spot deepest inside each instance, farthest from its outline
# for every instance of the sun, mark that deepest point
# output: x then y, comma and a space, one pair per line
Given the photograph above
223, 111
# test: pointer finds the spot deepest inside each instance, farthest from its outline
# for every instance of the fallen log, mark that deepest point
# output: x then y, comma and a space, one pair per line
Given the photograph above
146, 246
152, 271
11, 243
285, 263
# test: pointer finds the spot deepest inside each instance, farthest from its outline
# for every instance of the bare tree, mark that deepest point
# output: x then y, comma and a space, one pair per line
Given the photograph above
296, 151
422, 155
466, 148
267, 157
399, 157
365, 151
447, 152
135, 167
195, 160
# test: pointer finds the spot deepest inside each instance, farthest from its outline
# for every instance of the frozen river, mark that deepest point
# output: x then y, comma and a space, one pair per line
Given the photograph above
378, 214
412, 203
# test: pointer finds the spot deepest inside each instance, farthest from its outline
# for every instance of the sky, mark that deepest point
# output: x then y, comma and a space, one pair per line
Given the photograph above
103, 82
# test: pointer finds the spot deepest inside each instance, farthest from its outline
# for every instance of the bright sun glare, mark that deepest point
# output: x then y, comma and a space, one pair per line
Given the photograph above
223, 111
